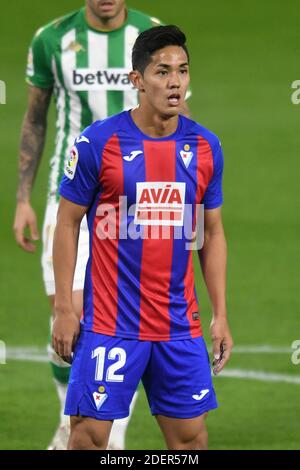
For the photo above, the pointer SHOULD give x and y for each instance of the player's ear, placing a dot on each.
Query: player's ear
(136, 79)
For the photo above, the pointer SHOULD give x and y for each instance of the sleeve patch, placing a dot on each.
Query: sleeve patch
(30, 67)
(71, 165)
(155, 21)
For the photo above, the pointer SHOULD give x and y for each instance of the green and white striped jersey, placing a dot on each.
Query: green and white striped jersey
(88, 70)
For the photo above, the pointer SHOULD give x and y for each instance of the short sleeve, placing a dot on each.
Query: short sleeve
(80, 182)
(213, 196)
(39, 71)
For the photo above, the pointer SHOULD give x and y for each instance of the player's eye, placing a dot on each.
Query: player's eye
(184, 71)
(162, 73)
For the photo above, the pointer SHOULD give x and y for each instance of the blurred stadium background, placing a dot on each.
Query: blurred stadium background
(245, 55)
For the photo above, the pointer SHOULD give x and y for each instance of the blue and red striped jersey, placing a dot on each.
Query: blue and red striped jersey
(142, 194)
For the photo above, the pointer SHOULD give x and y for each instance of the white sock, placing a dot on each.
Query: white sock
(119, 427)
(61, 387)
(62, 393)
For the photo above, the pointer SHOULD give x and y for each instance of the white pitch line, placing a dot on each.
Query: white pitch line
(28, 357)
(262, 349)
(262, 376)
(31, 354)
(34, 354)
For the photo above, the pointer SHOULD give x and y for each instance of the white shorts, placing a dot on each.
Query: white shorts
(47, 264)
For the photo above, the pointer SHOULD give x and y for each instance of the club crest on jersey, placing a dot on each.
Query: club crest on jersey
(74, 46)
(99, 399)
(160, 203)
(71, 165)
(186, 155)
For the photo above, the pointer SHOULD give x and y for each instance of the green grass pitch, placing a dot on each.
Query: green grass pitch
(244, 58)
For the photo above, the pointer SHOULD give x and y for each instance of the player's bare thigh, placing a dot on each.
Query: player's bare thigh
(184, 434)
(88, 433)
(77, 297)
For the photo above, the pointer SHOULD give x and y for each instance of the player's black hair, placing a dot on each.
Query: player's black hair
(152, 40)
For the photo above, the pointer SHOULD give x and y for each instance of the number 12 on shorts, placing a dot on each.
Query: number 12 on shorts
(101, 355)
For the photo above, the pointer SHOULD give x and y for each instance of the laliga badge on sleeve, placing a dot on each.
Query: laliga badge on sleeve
(71, 165)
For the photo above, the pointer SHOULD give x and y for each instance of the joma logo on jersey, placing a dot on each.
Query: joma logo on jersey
(160, 203)
(106, 79)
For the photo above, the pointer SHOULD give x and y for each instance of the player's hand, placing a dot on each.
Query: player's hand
(65, 332)
(25, 217)
(222, 343)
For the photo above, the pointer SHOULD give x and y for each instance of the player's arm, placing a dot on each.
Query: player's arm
(78, 189)
(66, 322)
(213, 257)
(33, 135)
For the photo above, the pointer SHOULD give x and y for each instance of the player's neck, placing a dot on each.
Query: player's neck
(108, 24)
(152, 124)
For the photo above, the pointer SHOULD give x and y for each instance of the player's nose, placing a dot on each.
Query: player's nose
(174, 80)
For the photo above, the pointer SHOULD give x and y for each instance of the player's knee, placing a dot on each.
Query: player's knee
(196, 442)
(195, 438)
(85, 441)
(79, 441)
(83, 437)
(201, 441)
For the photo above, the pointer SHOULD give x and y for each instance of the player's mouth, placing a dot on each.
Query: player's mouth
(174, 99)
(106, 5)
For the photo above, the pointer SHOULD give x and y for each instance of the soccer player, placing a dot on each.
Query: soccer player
(83, 59)
(140, 176)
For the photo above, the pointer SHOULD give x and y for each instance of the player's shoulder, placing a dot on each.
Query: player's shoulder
(100, 132)
(142, 20)
(193, 128)
(58, 26)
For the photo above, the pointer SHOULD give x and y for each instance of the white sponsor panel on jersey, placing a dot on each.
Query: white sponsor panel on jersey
(85, 79)
(160, 203)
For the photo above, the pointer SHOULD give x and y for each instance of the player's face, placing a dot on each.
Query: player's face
(106, 9)
(166, 79)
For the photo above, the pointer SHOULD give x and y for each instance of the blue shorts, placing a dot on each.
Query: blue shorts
(106, 372)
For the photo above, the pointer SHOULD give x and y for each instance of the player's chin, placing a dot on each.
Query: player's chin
(106, 15)
(108, 11)
(171, 111)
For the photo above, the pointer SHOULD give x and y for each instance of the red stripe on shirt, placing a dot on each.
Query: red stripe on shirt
(156, 266)
(205, 167)
(105, 250)
(189, 294)
(204, 174)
